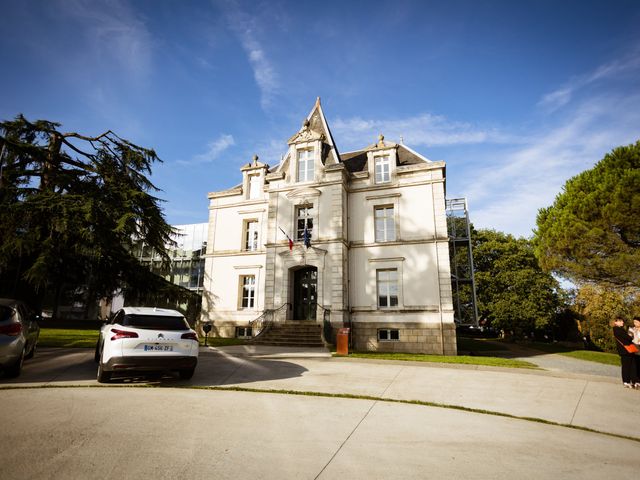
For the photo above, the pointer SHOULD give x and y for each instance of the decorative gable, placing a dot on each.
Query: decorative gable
(306, 134)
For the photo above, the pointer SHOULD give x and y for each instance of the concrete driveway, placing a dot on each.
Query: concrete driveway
(171, 432)
(588, 401)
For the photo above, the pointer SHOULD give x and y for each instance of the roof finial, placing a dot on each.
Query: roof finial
(317, 101)
(255, 160)
(381, 140)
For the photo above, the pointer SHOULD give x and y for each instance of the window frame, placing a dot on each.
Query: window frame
(388, 234)
(250, 288)
(305, 165)
(253, 186)
(384, 161)
(388, 283)
(389, 334)
(247, 244)
(299, 232)
(247, 332)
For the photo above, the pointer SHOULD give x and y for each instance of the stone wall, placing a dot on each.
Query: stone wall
(414, 338)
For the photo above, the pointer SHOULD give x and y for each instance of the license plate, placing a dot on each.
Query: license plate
(158, 348)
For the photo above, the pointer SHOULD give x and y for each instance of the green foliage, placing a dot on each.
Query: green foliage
(513, 292)
(70, 208)
(55, 337)
(592, 231)
(598, 306)
(460, 359)
(579, 353)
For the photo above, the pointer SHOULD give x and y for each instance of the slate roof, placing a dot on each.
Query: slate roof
(357, 161)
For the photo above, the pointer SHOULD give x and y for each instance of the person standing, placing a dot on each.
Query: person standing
(635, 334)
(635, 331)
(627, 360)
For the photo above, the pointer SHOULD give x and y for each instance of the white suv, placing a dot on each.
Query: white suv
(146, 339)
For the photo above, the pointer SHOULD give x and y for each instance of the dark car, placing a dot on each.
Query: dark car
(19, 331)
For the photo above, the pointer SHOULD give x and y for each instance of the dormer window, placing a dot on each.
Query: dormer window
(254, 187)
(382, 168)
(253, 179)
(305, 165)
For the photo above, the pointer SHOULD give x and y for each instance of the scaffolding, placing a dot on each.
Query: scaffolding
(463, 283)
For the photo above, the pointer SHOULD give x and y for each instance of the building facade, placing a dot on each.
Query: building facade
(187, 257)
(357, 239)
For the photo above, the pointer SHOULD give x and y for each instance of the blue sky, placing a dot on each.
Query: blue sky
(515, 96)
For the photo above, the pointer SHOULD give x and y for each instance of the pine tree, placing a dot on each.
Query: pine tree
(592, 231)
(71, 208)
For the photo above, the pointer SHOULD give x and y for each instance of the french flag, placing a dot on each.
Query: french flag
(288, 238)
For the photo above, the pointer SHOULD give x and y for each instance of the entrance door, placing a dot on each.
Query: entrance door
(305, 284)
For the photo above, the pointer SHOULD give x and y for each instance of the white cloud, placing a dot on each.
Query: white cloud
(424, 129)
(114, 31)
(556, 99)
(245, 28)
(508, 191)
(560, 97)
(214, 149)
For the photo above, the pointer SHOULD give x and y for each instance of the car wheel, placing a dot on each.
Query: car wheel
(103, 376)
(14, 370)
(32, 352)
(96, 356)
(186, 374)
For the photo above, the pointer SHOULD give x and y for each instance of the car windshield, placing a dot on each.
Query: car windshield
(155, 322)
(5, 313)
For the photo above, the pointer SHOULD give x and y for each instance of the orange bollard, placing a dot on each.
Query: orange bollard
(342, 338)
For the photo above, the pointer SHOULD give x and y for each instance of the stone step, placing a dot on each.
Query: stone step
(293, 334)
(288, 344)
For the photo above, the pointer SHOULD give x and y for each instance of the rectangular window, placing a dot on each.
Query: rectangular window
(244, 332)
(254, 187)
(251, 235)
(248, 285)
(383, 168)
(387, 281)
(388, 335)
(305, 165)
(385, 224)
(304, 217)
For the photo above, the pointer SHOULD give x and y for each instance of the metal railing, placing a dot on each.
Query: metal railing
(264, 322)
(327, 331)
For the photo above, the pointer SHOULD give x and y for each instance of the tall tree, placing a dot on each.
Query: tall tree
(592, 231)
(598, 305)
(70, 207)
(513, 292)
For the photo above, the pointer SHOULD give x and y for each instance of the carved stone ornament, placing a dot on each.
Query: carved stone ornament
(304, 192)
(306, 135)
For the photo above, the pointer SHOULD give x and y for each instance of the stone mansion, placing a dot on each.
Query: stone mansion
(355, 239)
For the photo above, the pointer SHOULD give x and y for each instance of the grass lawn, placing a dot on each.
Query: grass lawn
(460, 359)
(589, 355)
(58, 337)
(222, 342)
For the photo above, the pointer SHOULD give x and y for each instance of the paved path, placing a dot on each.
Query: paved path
(560, 363)
(170, 433)
(589, 401)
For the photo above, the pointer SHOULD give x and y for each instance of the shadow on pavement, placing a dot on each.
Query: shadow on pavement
(64, 365)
